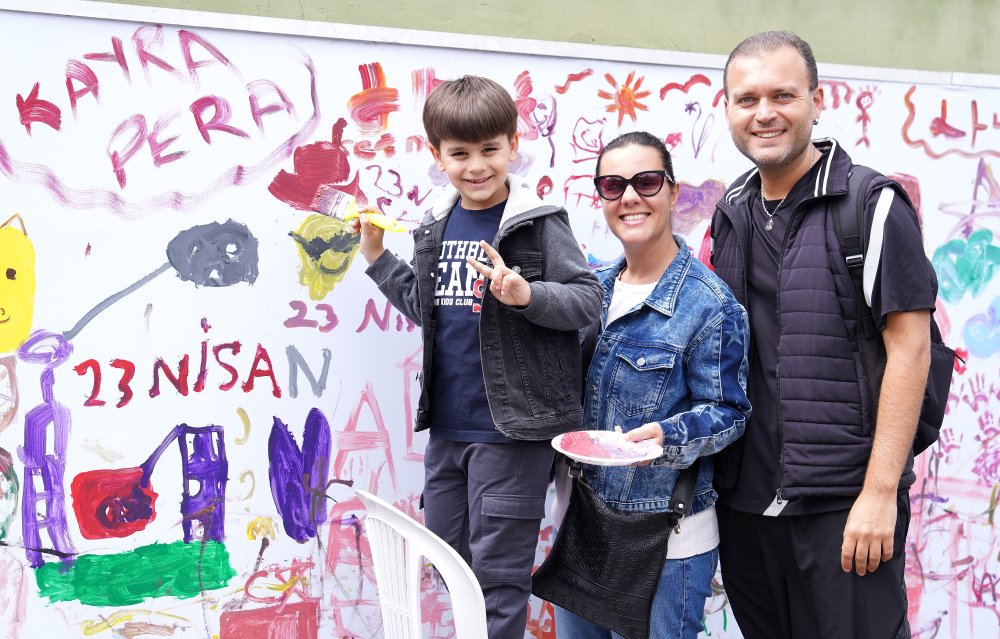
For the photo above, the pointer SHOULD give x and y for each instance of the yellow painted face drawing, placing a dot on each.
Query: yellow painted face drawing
(17, 284)
(326, 247)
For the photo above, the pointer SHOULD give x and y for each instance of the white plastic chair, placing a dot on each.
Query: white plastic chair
(398, 544)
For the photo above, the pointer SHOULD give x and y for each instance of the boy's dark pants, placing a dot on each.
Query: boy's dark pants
(488, 500)
(783, 578)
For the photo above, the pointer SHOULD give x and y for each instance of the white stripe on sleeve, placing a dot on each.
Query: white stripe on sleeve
(873, 254)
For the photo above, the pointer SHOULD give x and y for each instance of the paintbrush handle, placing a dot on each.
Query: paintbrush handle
(379, 220)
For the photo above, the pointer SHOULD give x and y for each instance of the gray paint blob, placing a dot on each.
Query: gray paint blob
(215, 254)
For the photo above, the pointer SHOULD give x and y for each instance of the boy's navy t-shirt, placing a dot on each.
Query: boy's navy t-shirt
(459, 408)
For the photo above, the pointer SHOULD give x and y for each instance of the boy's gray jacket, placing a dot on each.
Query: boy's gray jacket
(531, 355)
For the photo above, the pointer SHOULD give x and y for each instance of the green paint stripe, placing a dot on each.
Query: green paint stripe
(160, 570)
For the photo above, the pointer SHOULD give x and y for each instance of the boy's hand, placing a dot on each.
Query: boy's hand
(506, 285)
(371, 237)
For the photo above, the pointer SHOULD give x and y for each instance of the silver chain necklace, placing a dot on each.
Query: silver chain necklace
(770, 214)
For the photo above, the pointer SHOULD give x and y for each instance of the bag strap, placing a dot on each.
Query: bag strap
(683, 494)
(851, 235)
(680, 498)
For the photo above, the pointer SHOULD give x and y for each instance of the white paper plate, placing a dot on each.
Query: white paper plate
(605, 448)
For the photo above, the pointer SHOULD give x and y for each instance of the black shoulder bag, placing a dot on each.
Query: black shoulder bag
(605, 564)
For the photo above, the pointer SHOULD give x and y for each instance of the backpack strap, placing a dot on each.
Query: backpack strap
(853, 244)
(851, 235)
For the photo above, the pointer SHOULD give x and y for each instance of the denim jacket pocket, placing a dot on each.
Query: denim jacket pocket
(640, 378)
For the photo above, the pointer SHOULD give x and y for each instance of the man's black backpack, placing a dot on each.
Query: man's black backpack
(850, 224)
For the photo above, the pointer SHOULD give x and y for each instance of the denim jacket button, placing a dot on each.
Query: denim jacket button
(427, 231)
(516, 269)
(605, 349)
(641, 361)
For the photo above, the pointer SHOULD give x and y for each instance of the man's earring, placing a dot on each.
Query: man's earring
(815, 122)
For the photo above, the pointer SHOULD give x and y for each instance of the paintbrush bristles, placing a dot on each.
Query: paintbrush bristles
(332, 202)
(339, 205)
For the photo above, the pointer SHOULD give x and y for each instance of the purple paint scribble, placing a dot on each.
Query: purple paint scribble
(987, 464)
(205, 467)
(696, 203)
(45, 510)
(700, 130)
(299, 477)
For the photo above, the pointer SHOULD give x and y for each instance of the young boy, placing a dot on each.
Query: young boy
(501, 362)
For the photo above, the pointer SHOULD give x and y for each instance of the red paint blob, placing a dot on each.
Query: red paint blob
(112, 502)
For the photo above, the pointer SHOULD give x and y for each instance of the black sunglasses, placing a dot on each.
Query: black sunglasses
(645, 183)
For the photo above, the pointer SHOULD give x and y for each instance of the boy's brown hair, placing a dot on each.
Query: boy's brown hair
(470, 109)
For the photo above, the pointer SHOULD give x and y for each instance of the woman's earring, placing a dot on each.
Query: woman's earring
(815, 122)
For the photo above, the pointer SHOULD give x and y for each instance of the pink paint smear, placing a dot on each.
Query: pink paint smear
(603, 445)
(132, 209)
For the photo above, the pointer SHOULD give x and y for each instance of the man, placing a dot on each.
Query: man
(814, 504)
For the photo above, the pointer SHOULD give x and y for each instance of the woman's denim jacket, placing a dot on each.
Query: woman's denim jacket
(531, 355)
(680, 359)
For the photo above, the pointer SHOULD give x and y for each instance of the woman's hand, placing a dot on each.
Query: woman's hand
(652, 431)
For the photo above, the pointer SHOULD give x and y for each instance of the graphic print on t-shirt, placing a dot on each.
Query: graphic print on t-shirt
(458, 283)
(460, 409)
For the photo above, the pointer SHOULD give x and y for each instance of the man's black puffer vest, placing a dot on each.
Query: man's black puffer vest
(825, 423)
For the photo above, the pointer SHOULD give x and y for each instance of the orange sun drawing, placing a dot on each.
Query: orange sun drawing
(626, 98)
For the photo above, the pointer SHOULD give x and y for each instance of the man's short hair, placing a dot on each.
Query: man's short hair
(470, 109)
(761, 44)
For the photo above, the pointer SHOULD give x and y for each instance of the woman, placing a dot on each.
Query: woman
(669, 365)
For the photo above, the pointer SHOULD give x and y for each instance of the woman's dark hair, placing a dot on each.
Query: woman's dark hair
(640, 138)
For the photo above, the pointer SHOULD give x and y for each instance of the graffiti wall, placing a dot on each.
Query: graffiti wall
(195, 373)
